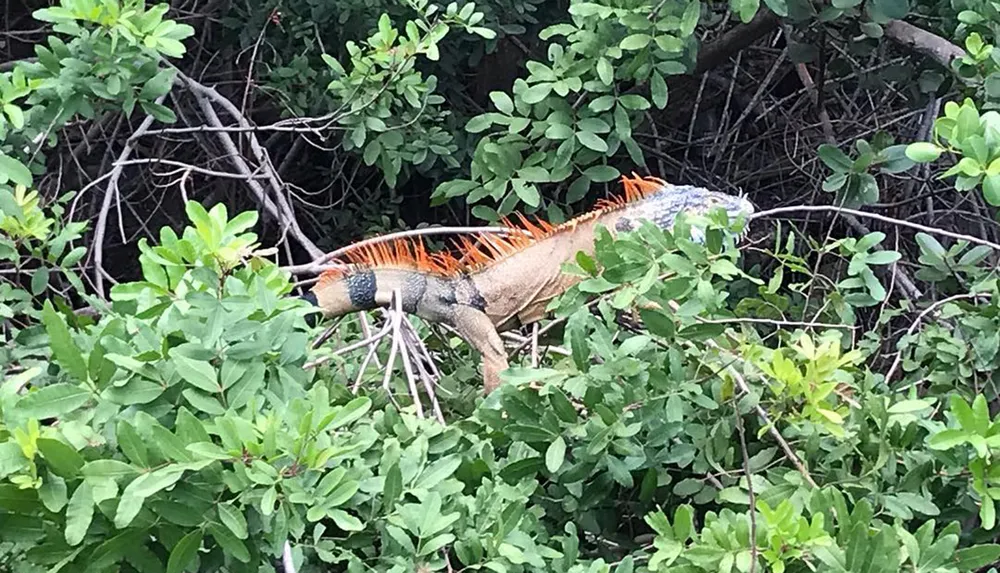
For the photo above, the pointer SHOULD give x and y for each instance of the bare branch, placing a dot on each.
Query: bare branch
(279, 207)
(111, 191)
(923, 42)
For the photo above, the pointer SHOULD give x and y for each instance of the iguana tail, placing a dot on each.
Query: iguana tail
(374, 272)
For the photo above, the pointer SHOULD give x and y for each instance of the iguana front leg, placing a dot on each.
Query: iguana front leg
(477, 329)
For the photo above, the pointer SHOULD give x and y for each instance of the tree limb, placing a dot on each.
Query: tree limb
(279, 207)
(923, 42)
(714, 54)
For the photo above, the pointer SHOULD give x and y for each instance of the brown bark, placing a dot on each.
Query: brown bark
(714, 54)
(923, 42)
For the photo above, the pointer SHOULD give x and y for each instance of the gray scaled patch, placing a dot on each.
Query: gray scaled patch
(414, 288)
(361, 287)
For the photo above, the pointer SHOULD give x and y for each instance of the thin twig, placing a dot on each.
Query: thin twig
(109, 193)
(750, 492)
(909, 331)
(877, 217)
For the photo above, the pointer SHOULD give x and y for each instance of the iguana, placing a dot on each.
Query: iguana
(501, 282)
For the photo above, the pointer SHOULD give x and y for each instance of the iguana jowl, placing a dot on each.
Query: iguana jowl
(501, 282)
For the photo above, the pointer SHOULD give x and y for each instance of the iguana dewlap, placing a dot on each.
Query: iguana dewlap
(501, 282)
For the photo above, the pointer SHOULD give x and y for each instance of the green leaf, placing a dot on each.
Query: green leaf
(601, 173)
(536, 93)
(39, 280)
(991, 189)
(947, 439)
(52, 493)
(562, 407)
(393, 487)
(988, 513)
(930, 247)
(345, 521)
(53, 401)
(184, 552)
(981, 415)
(435, 543)
(158, 85)
(603, 103)
(534, 174)
(908, 406)
(555, 454)
(11, 459)
(578, 189)
(15, 114)
(342, 493)
(131, 444)
(209, 450)
(779, 7)
(140, 489)
(170, 47)
(203, 402)
(658, 90)
(160, 113)
(516, 471)
(502, 102)
(479, 123)
(13, 170)
(883, 257)
(108, 469)
(606, 73)
(635, 42)
(834, 158)
(79, 514)
(964, 413)
(64, 349)
(198, 373)
(592, 141)
(526, 192)
(233, 518)
(891, 9)
(350, 412)
(919, 503)
(559, 131)
(439, 471)
(634, 102)
(658, 323)
(976, 557)
(688, 487)
(923, 152)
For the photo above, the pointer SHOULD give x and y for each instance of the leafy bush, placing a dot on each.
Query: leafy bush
(177, 428)
(181, 432)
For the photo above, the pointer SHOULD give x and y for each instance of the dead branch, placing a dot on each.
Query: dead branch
(923, 42)
(110, 192)
(277, 205)
(715, 54)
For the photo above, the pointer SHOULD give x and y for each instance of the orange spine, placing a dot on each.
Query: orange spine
(484, 249)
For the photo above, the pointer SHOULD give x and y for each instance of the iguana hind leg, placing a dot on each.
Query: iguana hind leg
(478, 330)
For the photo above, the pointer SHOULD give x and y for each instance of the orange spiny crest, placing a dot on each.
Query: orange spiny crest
(404, 253)
(484, 248)
(636, 188)
(641, 187)
(487, 248)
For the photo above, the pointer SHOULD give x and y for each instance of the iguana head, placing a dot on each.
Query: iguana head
(661, 206)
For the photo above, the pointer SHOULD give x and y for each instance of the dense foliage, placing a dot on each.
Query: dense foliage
(768, 413)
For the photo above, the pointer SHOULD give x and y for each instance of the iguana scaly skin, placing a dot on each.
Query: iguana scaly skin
(501, 282)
